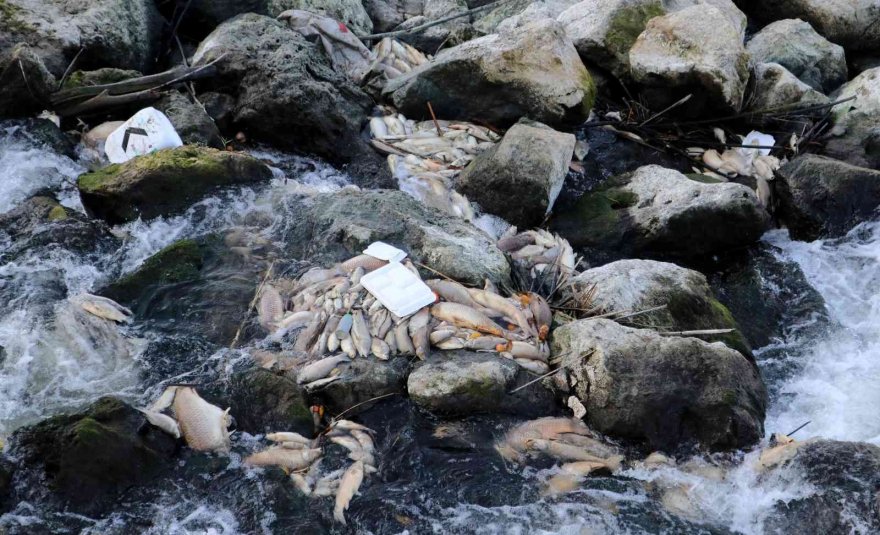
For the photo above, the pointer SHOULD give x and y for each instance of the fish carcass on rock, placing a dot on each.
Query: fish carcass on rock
(204, 426)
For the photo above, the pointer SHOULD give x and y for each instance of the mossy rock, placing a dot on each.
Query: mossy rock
(177, 263)
(10, 19)
(107, 75)
(164, 182)
(599, 210)
(263, 401)
(627, 24)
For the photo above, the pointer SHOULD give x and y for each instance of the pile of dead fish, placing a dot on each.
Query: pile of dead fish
(395, 58)
(301, 457)
(541, 253)
(425, 157)
(564, 439)
(203, 426)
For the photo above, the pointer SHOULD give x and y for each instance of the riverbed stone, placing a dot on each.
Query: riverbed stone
(262, 402)
(164, 182)
(448, 34)
(795, 45)
(856, 134)
(659, 212)
(776, 87)
(695, 51)
(820, 197)
(667, 391)
(519, 178)
(190, 120)
(337, 226)
(532, 71)
(25, 83)
(362, 380)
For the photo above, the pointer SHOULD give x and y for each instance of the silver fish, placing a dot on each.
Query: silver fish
(271, 307)
(284, 458)
(102, 307)
(202, 425)
(360, 334)
(320, 368)
(162, 421)
(288, 436)
(348, 487)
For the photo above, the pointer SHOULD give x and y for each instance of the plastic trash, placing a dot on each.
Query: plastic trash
(146, 131)
(398, 289)
(383, 251)
(757, 139)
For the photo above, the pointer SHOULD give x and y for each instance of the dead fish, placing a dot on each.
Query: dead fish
(542, 314)
(418, 332)
(314, 385)
(534, 366)
(307, 336)
(202, 425)
(288, 436)
(295, 320)
(366, 457)
(164, 401)
(301, 483)
(380, 349)
(452, 291)
(573, 473)
(465, 316)
(404, 342)
(391, 342)
(346, 441)
(546, 428)
(369, 263)
(504, 306)
(484, 342)
(525, 350)
(283, 457)
(441, 335)
(561, 450)
(320, 368)
(590, 445)
(365, 440)
(328, 484)
(349, 425)
(509, 244)
(348, 487)
(103, 307)
(271, 307)
(347, 346)
(360, 334)
(162, 421)
(451, 344)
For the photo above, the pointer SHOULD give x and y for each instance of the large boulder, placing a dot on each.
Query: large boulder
(110, 33)
(349, 12)
(363, 380)
(532, 71)
(795, 45)
(667, 391)
(520, 177)
(487, 22)
(856, 134)
(643, 284)
(91, 458)
(546, 9)
(164, 182)
(25, 83)
(603, 31)
(190, 119)
(660, 212)
(263, 402)
(824, 197)
(730, 10)
(286, 90)
(447, 34)
(775, 87)
(843, 478)
(337, 226)
(695, 51)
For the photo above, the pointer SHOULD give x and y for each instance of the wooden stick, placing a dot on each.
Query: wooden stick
(69, 68)
(652, 309)
(423, 27)
(434, 118)
(696, 333)
(253, 303)
(666, 109)
(548, 374)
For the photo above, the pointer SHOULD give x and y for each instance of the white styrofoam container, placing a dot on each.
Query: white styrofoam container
(398, 289)
(383, 251)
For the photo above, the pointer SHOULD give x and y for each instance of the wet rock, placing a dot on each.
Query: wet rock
(177, 263)
(845, 477)
(693, 51)
(776, 87)
(856, 134)
(190, 119)
(337, 226)
(385, 14)
(106, 75)
(823, 197)
(455, 383)
(287, 92)
(210, 13)
(362, 380)
(25, 83)
(220, 107)
(642, 284)
(795, 45)
(349, 12)
(532, 71)
(519, 178)
(447, 34)
(546, 9)
(660, 212)
(90, 458)
(846, 23)
(665, 390)
(35, 131)
(110, 33)
(262, 401)
(604, 31)
(164, 182)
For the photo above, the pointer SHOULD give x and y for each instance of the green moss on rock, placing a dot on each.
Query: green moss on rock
(107, 75)
(627, 24)
(179, 262)
(57, 213)
(10, 21)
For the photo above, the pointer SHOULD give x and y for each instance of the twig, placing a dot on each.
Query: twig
(434, 118)
(696, 333)
(253, 303)
(637, 313)
(422, 27)
(666, 109)
(336, 418)
(70, 68)
(788, 108)
(803, 425)
(548, 374)
(432, 270)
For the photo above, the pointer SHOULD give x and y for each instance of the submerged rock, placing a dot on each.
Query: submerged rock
(775, 87)
(263, 401)
(337, 226)
(821, 197)
(532, 71)
(695, 51)
(25, 83)
(856, 134)
(91, 458)
(660, 212)
(164, 182)
(520, 177)
(637, 285)
(795, 45)
(192, 122)
(667, 391)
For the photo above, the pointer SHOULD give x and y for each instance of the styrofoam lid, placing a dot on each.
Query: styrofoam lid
(383, 251)
(398, 289)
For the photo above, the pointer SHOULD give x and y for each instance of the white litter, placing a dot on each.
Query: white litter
(146, 131)
(398, 289)
(756, 139)
(383, 251)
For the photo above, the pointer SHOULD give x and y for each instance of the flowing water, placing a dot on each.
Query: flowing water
(52, 361)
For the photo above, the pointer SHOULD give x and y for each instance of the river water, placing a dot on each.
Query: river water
(832, 381)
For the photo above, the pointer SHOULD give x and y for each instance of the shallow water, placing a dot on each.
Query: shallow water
(52, 363)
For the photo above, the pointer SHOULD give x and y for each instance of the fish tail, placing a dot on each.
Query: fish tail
(339, 515)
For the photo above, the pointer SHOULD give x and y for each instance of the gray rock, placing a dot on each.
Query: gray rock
(776, 87)
(385, 14)
(25, 83)
(364, 379)
(220, 107)
(844, 477)
(286, 91)
(659, 212)
(604, 31)
(856, 133)
(694, 51)
(111, 33)
(821, 197)
(541, 9)
(487, 23)
(263, 402)
(520, 177)
(213, 12)
(190, 119)
(795, 45)
(532, 71)
(337, 226)
(642, 284)
(349, 12)
(448, 34)
(667, 391)
(736, 17)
